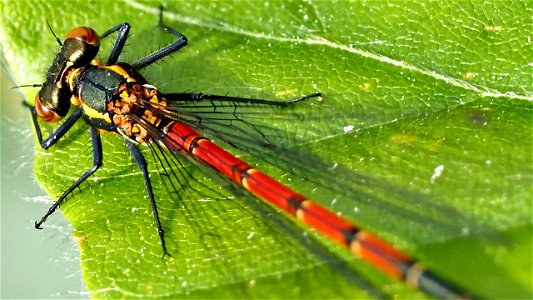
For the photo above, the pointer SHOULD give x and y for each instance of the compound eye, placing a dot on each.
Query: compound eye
(84, 34)
(44, 112)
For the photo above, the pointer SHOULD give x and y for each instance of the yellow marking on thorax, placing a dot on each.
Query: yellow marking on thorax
(93, 113)
(74, 100)
(89, 111)
(119, 70)
(68, 64)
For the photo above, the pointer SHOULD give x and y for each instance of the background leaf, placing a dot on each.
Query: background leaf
(426, 114)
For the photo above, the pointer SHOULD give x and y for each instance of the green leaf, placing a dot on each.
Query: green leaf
(425, 123)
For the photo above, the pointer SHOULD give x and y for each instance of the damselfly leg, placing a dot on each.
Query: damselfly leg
(97, 163)
(57, 88)
(115, 98)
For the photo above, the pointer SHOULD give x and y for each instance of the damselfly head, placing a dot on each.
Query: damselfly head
(79, 48)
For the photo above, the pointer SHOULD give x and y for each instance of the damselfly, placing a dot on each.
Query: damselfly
(114, 97)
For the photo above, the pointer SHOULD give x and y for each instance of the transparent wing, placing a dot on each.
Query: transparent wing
(278, 136)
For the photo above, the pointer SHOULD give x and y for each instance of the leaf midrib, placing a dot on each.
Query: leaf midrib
(481, 91)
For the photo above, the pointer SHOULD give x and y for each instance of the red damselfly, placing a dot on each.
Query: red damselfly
(114, 97)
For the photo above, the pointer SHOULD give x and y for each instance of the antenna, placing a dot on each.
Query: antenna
(51, 30)
(27, 85)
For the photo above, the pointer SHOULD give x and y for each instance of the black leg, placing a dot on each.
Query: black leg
(139, 158)
(161, 53)
(97, 163)
(58, 132)
(203, 97)
(123, 30)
